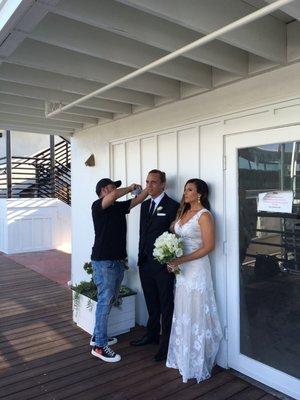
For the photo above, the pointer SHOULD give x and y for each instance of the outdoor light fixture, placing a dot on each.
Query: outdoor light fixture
(90, 162)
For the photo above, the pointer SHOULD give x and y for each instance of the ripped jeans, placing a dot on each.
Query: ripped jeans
(108, 276)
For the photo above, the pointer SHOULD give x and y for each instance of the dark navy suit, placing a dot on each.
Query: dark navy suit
(157, 282)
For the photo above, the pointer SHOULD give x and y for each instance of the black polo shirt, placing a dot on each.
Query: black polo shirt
(110, 230)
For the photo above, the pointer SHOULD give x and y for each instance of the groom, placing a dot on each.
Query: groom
(157, 214)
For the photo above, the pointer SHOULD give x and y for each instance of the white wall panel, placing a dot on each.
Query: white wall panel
(148, 156)
(119, 163)
(133, 162)
(176, 153)
(133, 170)
(188, 156)
(49, 231)
(167, 160)
(287, 110)
(211, 166)
(134, 175)
(34, 225)
(251, 121)
(26, 233)
(3, 225)
(61, 232)
(38, 232)
(2, 233)
(141, 157)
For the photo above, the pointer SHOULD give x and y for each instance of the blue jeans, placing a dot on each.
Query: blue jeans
(108, 276)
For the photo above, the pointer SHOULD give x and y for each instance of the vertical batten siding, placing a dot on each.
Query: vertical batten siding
(176, 153)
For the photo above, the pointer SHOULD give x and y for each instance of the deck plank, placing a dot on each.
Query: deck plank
(250, 393)
(44, 356)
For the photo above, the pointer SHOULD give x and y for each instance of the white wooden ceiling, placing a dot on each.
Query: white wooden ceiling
(59, 50)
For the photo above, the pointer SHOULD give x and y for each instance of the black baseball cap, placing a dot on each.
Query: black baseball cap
(104, 182)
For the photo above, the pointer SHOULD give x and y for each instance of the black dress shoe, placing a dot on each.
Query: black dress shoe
(160, 356)
(143, 341)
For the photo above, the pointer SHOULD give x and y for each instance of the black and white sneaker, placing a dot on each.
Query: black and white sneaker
(111, 341)
(106, 354)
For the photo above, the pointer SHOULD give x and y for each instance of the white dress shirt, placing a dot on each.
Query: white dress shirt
(156, 200)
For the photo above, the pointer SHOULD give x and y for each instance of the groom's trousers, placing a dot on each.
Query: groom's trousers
(158, 288)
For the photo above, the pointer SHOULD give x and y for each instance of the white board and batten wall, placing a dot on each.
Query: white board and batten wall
(178, 152)
(34, 224)
(186, 139)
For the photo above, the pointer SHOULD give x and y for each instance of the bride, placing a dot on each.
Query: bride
(196, 331)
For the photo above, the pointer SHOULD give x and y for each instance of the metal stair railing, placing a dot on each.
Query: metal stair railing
(37, 176)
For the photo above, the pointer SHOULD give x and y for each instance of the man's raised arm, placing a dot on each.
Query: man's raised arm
(139, 198)
(115, 194)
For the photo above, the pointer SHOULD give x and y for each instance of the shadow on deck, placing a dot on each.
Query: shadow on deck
(43, 355)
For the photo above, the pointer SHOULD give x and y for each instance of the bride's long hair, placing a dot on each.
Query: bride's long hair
(202, 189)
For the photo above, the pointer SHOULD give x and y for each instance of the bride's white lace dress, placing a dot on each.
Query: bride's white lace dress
(196, 330)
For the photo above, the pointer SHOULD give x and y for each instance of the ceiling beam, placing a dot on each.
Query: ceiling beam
(31, 112)
(55, 59)
(265, 37)
(11, 43)
(89, 112)
(292, 9)
(27, 16)
(32, 128)
(109, 46)
(39, 122)
(11, 12)
(154, 31)
(24, 101)
(52, 95)
(31, 76)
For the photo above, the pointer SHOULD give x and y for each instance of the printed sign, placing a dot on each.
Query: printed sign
(281, 201)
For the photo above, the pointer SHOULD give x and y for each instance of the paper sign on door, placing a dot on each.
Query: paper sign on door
(281, 201)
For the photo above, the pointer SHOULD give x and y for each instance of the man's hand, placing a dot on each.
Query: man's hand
(135, 186)
(139, 198)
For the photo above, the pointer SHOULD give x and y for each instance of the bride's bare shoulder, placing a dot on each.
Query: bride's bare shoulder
(205, 217)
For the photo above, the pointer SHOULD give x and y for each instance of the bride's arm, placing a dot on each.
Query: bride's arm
(208, 241)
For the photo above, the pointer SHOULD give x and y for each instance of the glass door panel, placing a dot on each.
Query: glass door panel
(269, 254)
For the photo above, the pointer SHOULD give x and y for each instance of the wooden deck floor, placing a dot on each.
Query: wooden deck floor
(43, 355)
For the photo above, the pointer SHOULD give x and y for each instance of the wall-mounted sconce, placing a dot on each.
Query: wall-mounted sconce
(90, 162)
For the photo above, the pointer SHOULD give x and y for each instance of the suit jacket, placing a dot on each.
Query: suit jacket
(154, 226)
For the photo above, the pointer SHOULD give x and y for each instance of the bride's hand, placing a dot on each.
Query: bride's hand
(169, 268)
(173, 264)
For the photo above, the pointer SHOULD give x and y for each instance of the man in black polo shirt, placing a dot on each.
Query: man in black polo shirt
(108, 253)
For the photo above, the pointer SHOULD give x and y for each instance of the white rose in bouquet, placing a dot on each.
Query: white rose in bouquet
(167, 247)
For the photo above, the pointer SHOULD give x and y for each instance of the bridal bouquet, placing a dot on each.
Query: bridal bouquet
(167, 247)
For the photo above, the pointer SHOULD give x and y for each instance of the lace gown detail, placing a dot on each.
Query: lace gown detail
(196, 330)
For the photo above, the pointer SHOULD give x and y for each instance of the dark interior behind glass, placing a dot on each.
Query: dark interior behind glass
(269, 245)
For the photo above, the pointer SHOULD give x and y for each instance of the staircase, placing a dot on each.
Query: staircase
(46, 174)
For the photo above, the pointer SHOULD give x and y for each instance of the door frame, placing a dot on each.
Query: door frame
(250, 367)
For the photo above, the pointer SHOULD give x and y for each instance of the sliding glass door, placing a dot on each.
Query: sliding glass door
(263, 231)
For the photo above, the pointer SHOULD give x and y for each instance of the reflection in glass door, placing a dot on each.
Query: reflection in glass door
(269, 254)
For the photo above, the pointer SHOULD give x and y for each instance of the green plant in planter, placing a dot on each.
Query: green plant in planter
(89, 289)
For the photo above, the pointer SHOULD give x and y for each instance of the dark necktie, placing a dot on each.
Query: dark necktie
(151, 209)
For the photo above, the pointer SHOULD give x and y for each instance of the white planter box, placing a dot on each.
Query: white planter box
(120, 320)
